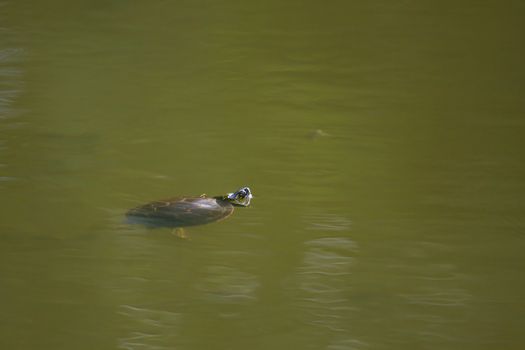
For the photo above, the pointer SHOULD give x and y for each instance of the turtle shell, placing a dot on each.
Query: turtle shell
(181, 211)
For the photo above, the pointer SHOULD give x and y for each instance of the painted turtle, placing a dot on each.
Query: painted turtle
(180, 212)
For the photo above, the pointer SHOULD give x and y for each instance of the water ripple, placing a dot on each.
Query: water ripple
(152, 328)
(451, 297)
(327, 222)
(228, 285)
(323, 288)
(11, 81)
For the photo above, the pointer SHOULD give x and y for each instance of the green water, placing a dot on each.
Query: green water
(383, 142)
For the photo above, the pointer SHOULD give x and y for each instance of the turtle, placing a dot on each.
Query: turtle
(179, 212)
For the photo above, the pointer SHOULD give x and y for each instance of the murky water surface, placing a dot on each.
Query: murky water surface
(383, 142)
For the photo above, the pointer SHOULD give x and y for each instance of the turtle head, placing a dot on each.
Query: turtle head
(241, 198)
